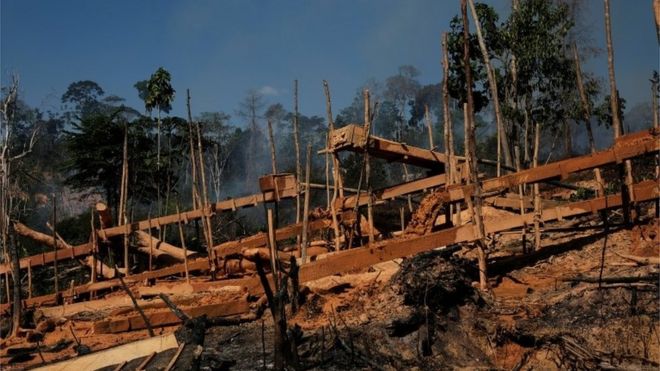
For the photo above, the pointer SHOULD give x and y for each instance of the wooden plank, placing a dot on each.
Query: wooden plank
(108, 357)
(626, 147)
(167, 318)
(49, 257)
(225, 205)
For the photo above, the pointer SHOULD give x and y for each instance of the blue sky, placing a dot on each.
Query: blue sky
(221, 49)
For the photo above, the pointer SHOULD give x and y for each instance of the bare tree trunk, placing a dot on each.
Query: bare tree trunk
(471, 152)
(56, 282)
(448, 126)
(296, 143)
(568, 139)
(586, 111)
(305, 232)
(206, 219)
(616, 115)
(502, 140)
(193, 161)
(367, 164)
(337, 183)
(656, 118)
(537, 196)
(273, 160)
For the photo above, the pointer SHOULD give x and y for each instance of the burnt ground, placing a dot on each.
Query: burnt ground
(428, 316)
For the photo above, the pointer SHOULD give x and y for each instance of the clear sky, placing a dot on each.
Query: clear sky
(221, 49)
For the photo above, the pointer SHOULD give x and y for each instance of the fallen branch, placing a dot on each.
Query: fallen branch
(642, 260)
(623, 279)
(135, 304)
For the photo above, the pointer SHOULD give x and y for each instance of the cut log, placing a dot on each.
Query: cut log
(162, 248)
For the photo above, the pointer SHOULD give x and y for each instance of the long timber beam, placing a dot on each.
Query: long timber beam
(352, 138)
(225, 205)
(625, 148)
(359, 258)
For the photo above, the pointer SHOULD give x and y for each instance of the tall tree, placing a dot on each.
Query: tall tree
(160, 96)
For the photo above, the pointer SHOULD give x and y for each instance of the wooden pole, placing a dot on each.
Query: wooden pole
(296, 143)
(272, 246)
(193, 161)
(29, 272)
(151, 243)
(273, 160)
(337, 184)
(537, 193)
(656, 118)
(206, 219)
(367, 164)
(616, 114)
(448, 125)
(94, 241)
(471, 150)
(183, 245)
(327, 173)
(305, 232)
(586, 111)
(57, 287)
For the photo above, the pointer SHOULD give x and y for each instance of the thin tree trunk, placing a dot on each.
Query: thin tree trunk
(183, 244)
(337, 183)
(471, 151)
(296, 143)
(193, 161)
(586, 111)
(656, 118)
(367, 164)
(537, 196)
(206, 219)
(502, 140)
(448, 126)
(616, 115)
(57, 286)
(273, 160)
(305, 232)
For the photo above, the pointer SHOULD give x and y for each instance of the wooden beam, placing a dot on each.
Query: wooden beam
(352, 138)
(226, 205)
(167, 318)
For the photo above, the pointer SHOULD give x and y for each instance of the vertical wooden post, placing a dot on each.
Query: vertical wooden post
(471, 155)
(403, 220)
(296, 143)
(450, 170)
(29, 272)
(616, 114)
(151, 244)
(367, 164)
(337, 190)
(193, 161)
(94, 249)
(272, 245)
(305, 232)
(656, 118)
(183, 243)
(57, 287)
(537, 195)
(327, 173)
(206, 219)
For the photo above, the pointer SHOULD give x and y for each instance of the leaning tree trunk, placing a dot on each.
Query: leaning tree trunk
(502, 140)
(586, 111)
(616, 116)
(537, 195)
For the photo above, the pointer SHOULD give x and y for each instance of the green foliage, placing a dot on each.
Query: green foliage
(160, 93)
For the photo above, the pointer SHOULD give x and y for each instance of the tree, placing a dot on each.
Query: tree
(160, 95)
(83, 97)
(250, 110)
